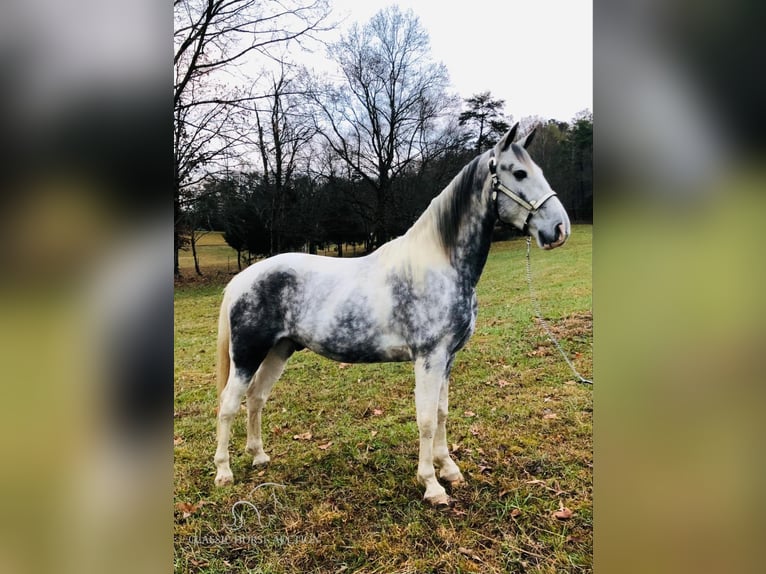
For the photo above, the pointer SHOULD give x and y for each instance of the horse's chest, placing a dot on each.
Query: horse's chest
(439, 314)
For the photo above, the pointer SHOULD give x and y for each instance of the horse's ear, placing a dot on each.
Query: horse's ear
(507, 140)
(529, 138)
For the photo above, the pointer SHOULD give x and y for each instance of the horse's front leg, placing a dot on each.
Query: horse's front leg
(430, 373)
(448, 470)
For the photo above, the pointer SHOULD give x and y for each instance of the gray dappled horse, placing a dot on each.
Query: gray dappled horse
(414, 299)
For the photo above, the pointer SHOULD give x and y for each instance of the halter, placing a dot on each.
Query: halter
(530, 206)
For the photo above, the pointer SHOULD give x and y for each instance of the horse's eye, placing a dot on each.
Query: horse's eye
(519, 174)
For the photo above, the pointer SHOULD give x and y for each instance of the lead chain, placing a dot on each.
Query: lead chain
(543, 322)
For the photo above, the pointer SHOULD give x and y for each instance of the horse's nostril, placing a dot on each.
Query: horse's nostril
(553, 237)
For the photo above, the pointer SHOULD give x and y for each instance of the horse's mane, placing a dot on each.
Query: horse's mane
(438, 228)
(454, 201)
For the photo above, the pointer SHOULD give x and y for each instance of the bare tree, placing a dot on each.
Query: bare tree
(283, 130)
(380, 118)
(213, 39)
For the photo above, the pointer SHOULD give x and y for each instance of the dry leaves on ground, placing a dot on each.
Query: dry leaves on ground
(188, 508)
(563, 513)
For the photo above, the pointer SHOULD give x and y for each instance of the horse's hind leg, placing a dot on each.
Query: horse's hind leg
(231, 399)
(258, 392)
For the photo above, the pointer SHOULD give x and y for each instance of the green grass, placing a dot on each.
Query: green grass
(355, 506)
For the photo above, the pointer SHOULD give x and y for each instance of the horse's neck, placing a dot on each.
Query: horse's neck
(474, 240)
(458, 223)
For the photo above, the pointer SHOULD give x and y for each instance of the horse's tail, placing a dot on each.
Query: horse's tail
(223, 361)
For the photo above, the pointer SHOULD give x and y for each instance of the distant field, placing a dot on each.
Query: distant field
(216, 257)
(519, 428)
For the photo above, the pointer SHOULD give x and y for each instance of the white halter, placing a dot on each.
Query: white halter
(530, 206)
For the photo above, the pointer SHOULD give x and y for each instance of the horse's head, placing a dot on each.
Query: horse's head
(522, 195)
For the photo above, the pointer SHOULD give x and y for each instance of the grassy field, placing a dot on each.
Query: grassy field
(218, 259)
(343, 442)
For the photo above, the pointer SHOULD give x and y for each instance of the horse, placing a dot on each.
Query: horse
(413, 299)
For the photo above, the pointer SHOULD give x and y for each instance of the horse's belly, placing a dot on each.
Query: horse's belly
(362, 351)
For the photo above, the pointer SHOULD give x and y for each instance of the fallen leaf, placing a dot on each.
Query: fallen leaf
(541, 351)
(485, 469)
(503, 383)
(377, 412)
(569, 383)
(470, 553)
(515, 513)
(303, 436)
(550, 416)
(261, 473)
(563, 513)
(373, 433)
(469, 413)
(177, 440)
(325, 446)
(344, 365)
(187, 508)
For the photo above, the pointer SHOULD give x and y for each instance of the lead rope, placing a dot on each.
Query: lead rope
(543, 322)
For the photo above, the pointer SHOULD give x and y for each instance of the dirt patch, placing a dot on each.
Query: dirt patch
(574, 326)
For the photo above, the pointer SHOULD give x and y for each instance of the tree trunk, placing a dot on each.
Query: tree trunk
(193, 236)
(381, 211)
(176, 235)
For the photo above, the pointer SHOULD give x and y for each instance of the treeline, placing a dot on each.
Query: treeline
(308, 213)
(296, 160)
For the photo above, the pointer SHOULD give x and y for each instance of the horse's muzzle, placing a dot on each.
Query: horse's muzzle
(559, 238)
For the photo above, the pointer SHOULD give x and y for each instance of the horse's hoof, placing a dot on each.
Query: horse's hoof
(261, 459)
(442, 502)
(224, 478)
(455, 485)
(454, 480)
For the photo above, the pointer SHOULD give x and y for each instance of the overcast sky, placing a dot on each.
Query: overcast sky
(535, 54)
